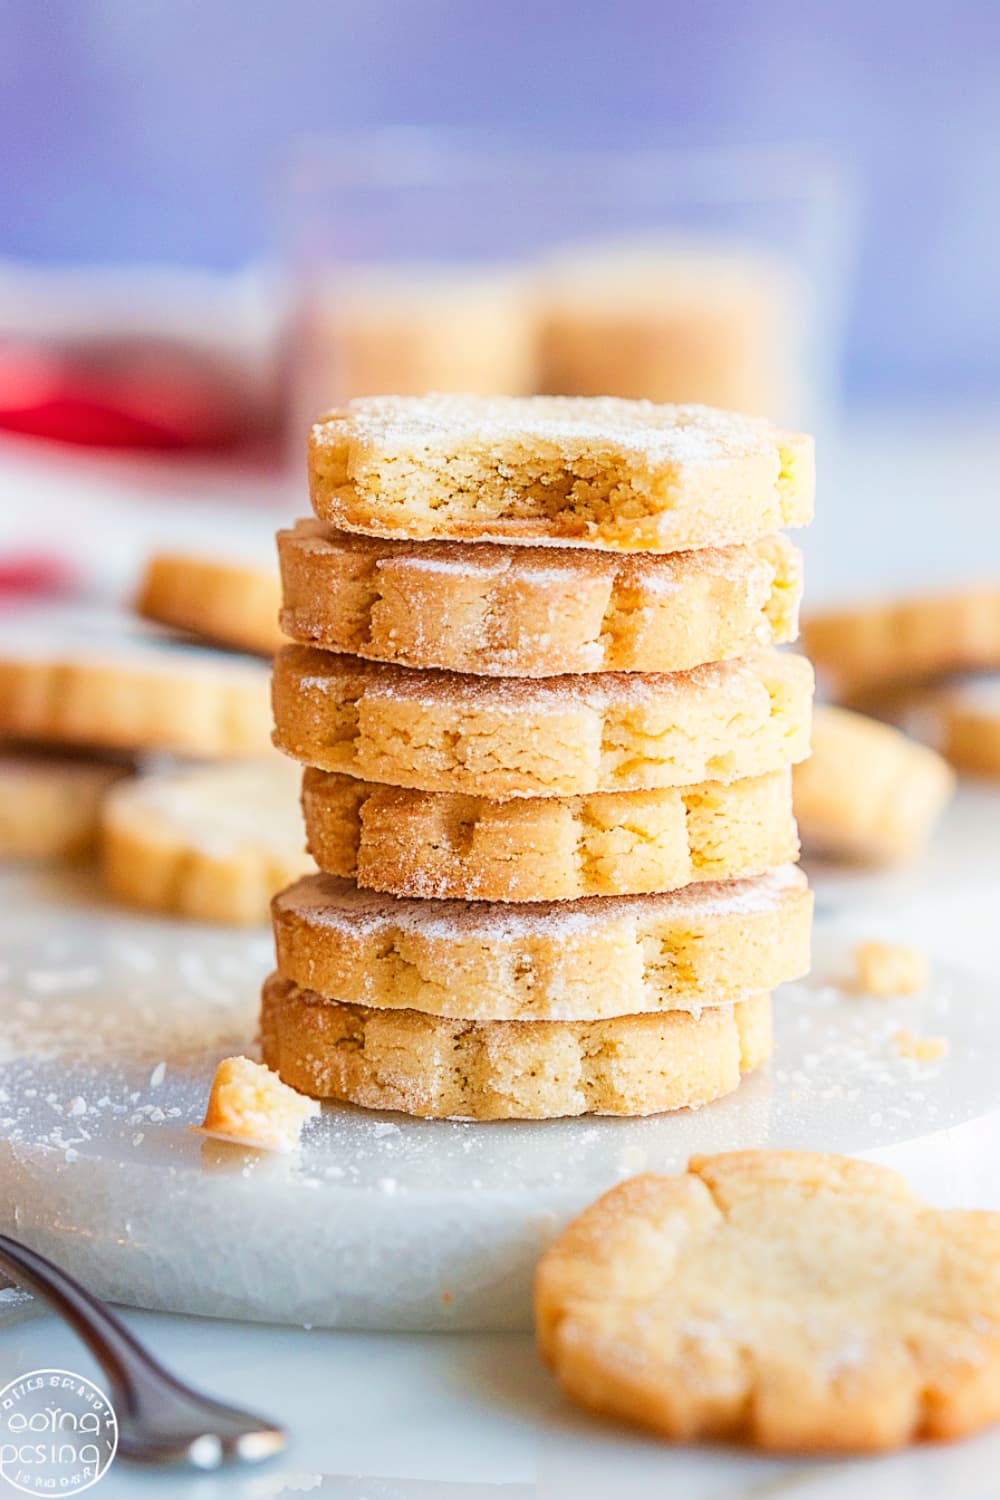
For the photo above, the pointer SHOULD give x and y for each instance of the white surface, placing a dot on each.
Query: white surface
(114, 1024)
(450, 1417)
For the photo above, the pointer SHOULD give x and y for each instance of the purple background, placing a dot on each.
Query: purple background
(156, 129)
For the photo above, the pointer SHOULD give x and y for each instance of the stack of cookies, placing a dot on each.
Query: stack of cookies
(548, 746)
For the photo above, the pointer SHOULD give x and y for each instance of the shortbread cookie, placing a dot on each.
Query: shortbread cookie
(560, 961)
(50, 804)
(625, 475)
(251, 1106)
(796, 1301)
(868, 791)
(231, 603)
(214, 844)
(555, 736)
(671, 320)
(910, 640)
(534, 612)
(509, 1070)
(91, 677)
(411, 328)
(413, 843)
(968, 725)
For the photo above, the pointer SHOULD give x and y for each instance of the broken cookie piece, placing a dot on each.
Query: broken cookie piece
(249, 1105)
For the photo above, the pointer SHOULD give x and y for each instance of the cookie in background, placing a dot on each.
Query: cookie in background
(225, 602)
(868, 792)
(868, 651)
(50, 804)
(796, 1301)
(212, 843)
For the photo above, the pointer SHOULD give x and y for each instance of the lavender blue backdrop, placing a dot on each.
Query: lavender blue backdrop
(155, 129)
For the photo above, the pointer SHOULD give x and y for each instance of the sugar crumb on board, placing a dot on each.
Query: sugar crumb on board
(920, 1048)
(890, 968)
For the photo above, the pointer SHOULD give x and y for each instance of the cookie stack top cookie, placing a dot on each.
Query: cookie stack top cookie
(629, 476)
(534, 669)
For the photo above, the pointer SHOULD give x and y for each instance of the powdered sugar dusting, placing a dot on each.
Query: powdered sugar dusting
(220, 811)
(345, 676)
(327, 901)
(536, 563)
(656, 434)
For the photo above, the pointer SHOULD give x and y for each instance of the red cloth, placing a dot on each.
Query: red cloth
(134, 394)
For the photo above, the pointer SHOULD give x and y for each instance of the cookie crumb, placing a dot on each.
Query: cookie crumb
(249, 1105)
(920, 1048)
(890, 969)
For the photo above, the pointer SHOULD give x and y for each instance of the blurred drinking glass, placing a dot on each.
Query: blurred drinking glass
(428, 261)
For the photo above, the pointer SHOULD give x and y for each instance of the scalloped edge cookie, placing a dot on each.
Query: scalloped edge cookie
(556, 736)
(88, 677)
(503, 611)
(569, 960)
(445, 844)
(792, 1300)
(438, 1068)
(576, 471)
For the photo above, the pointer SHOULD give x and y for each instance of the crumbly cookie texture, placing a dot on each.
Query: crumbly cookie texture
(908, 640)
(509, 1070)
(50, 805)
(550, 737)
(412, 843)
(505, 611)
(566, 961)
(790, 1300)
(867, 792)
(83, 678)
(230, 603)
(251, 1106)
(629, 476)
(890, 968)
(214, 844)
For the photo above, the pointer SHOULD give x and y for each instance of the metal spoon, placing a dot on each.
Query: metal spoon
(160, 1421)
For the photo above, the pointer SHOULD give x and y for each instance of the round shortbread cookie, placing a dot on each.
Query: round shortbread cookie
(50, 805)
(555, 736)
(868, 791)
(560, 961)
(231, 603)
(214, 844)
(91, 677)
(628, 476)
(967, 718)
(412, 843)
(505, 611)
(509, 1070)
(910, 640)
(796, 1301)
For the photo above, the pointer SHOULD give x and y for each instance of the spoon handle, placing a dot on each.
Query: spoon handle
(160, 1420)
(117, 1352)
